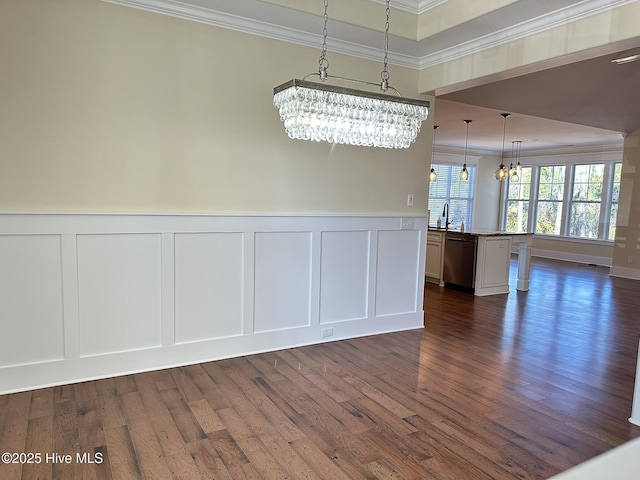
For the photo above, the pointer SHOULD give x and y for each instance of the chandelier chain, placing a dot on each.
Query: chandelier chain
(385, 69)
(323, 63)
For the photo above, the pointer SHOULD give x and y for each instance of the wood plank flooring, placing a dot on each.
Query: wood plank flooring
(523, 385)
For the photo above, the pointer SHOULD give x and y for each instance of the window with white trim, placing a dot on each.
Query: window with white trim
(613, 203)
(586, 200)
(518, 201)
(448, 188)
(550, 200)
(572, 199)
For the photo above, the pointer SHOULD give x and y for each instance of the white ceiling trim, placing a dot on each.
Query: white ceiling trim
(561, 17)
(455, 156)
(256, 27)
(413, 6)
(213, 17)
(589, 153)
(424, 5)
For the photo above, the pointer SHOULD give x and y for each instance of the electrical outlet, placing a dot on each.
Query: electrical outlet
(630, 259)
(410, 200)
(407, 224)
(327, 332)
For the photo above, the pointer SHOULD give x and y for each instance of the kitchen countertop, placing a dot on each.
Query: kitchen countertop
(479, 233)
(493, 257)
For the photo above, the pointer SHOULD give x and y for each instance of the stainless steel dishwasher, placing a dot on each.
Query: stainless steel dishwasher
(460, 259)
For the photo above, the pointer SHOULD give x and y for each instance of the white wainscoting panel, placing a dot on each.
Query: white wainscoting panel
(86, 296)
(282, 280)
(344, 287)
(397, 271)
(30, 299)
(119, 287)
(208, 285)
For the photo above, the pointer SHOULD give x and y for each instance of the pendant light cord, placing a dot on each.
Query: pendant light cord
(466, 142)
(504, 132)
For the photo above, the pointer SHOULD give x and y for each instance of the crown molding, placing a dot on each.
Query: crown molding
(586, 153)
(540, 24)
(413, 6)
(186, 11)
(251, 26)
(589, 153)
(453, 151)
(424, 5)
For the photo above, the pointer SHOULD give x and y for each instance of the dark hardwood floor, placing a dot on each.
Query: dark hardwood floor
(523, 385)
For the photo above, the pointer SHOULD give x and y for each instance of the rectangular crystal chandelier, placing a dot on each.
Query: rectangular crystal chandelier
(322, 112)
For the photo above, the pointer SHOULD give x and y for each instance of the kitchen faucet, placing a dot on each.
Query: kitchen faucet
(445, 213)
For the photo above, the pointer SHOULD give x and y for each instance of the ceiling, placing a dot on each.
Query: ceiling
(580, 104)
(576, 102)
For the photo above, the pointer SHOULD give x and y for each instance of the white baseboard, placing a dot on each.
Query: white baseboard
(571, 257)
(631, 273)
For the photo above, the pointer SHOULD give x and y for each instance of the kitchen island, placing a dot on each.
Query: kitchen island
(477, 261)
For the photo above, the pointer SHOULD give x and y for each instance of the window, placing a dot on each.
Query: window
(518, 199)
(550, 199)
(586, 199)
(578, 200)
(450, 189)
(615, 195)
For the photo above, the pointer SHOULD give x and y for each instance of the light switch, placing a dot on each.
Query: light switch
(410, 200)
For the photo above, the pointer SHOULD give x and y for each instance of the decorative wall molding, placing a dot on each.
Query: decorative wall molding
(87, 296)
(405, 53)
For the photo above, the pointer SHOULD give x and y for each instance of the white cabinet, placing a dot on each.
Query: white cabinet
(435, 249)
(492, 265)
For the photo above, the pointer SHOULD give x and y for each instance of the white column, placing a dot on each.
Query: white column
(524, 263)
(635, 409)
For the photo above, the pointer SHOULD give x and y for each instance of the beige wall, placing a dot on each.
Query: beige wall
(112, 109)
(626, 251)
(108, 108)
(487, 195)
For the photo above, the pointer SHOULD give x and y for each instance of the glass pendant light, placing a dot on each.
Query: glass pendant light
(433, 176)
(464, 173)
(502, 173)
